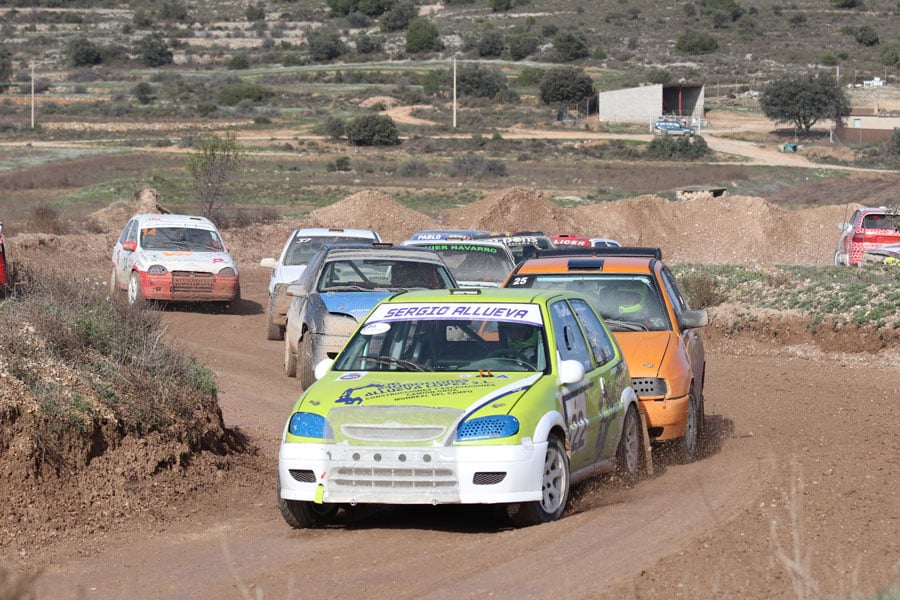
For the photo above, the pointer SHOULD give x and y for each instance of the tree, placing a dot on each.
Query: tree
(565, 85)
(153, 50)
(83, 52)
(211, 168)
(372, 130)
(480, 82)
(866, 36)
(325, 45)
(399, 17)
(6, 67)
(804, 99)
(422, 36)
(570, 46)
(491, 44)
(696, 42)
(255, 12)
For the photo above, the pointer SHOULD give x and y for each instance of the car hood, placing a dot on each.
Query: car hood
(410, 408)
(355, 304)
(188, 261)
(644, 351)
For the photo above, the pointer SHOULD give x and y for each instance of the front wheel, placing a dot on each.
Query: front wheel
(113, 283)
(274, 331)
(290, 359)
(630, 451)
(305, 515)
(687, 445)
(555, 488)
(307, 358)
(135, 295)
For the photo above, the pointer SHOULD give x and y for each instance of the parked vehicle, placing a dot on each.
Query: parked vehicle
(867, 229)
(640, 300)
(431, 235)
(297, 251)
(673, 126)
(437, 400)
(474, 263)
(605, 243)
(173, 258)
(567, 239)
(883, 255)
(341, 284)
(524, 244)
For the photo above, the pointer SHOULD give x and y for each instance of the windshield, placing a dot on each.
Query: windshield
(355, 274)
(302, 248)
(186, 239)
(474, 264)
(628, 302)
(446, 337)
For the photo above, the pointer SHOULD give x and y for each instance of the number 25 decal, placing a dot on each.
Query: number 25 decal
(519, 281)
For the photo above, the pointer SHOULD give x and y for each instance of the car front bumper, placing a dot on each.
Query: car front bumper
(669, 415)
(189, 287)
(340, 473)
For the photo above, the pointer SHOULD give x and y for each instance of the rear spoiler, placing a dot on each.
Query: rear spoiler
(642, 251)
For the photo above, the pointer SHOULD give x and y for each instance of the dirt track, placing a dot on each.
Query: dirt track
(692, 531)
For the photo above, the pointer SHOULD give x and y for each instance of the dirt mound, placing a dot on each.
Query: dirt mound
(512, 209)
(113, 218)
(372, 210)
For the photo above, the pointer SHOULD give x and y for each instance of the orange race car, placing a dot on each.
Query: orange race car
(639, 299)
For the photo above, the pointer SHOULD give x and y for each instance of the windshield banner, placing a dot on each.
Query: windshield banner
(465, 311)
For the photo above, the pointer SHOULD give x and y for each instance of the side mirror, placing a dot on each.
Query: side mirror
(694, 318)
(843, 226)
(129, 246)
(295, 290)
(268, 263)
(570, 371)
(322, 368)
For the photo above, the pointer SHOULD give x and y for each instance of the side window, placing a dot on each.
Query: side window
(128, 227)
(674, 293)
(131, 232)
(601, 344)
(569, 340)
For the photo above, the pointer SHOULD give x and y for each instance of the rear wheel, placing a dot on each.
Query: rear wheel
(135, 295)
(630, 452)
(305, 515)
(307, 368)
(555, 488)
(290, 359)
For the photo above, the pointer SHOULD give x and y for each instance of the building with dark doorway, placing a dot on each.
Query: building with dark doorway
(648, 103)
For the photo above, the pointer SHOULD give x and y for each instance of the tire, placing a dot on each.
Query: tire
(630, 451)
(554, 485)
(135, 295)
(305, 515)
(837, 259)
(113, 283)
(290, 359)
(307, 359)
(687, 444)
(273, 330)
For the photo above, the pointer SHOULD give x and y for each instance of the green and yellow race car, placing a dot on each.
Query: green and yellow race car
(463, 396)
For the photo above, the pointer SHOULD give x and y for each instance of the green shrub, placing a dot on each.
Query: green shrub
(422, 36)
(153, 51)
(490, 44)
(669, 147)
(570, 47)
(565, 85)
(437, 81)
(368, 44)
(83, 52)
(238, 62)
(480, 82)
(143, 92)
(325, 45)
(696, 42)
(399, 17)
(255, 12)
(702, 289)
(522, 46)
(233, 93)
(334, 127)
(890, 56)
(475, 165)
(414, 168)
(866, 36)
(372, 130)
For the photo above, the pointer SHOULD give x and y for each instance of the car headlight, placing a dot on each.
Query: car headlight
(157, 270)
(649, 386)
(487, 428)
(227, 272)
(310, 425)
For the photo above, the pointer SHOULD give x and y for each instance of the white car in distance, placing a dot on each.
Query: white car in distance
(300, 246)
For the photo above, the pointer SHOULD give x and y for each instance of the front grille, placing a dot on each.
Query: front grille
(400, 478)
(303, 475)
(192, 282)
(649, 386)
(386, 432)
(488, 477)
